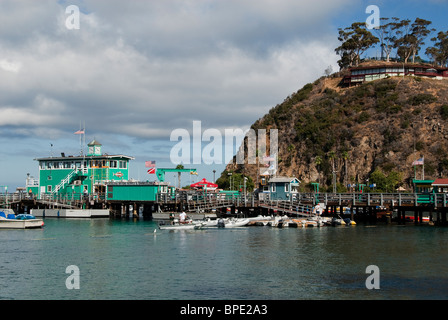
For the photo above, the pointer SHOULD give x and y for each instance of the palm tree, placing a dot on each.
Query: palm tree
(179, 166)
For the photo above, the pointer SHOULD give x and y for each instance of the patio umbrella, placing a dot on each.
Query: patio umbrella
(204, 183)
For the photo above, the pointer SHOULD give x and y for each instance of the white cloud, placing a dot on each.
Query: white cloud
(159, 64)
(10, 66)
(144, 68)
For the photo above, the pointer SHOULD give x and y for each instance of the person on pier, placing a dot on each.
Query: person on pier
(183, 217)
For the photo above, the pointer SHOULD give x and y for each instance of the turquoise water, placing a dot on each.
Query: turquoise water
(124, 259)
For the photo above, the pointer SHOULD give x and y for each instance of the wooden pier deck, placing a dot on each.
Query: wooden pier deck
(367, 206)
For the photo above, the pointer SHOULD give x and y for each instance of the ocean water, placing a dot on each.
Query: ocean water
(126, 260)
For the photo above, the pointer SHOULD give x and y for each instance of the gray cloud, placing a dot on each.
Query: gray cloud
(144, 68)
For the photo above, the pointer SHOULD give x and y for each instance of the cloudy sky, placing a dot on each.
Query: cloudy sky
(136, 70)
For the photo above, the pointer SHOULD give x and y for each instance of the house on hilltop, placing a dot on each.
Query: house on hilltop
(369, 72)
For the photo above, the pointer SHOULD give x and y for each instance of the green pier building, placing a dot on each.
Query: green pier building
(71, 177)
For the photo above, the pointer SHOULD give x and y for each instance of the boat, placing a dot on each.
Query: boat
(279, 222)
(226, 223)
(337, 222)
(318, 221)
(310, 223)
(21, 221)
(260, 221)
(182, 226)
(349, 222)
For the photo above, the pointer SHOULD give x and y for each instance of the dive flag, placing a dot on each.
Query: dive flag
(150, 164)
(152, 171)
(419, 162)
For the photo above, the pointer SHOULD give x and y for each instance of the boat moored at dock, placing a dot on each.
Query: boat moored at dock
(227, 223)
(21, 221)
(182, 226)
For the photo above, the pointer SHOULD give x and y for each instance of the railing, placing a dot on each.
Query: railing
(352, 199)
(300, 202)
(56, 200)
(285, 206)
(63, 182)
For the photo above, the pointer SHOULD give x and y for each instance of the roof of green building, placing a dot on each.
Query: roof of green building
(94, 143)
(104, 156)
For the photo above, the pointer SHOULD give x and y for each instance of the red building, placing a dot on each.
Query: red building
(361, 74)
(440, 185)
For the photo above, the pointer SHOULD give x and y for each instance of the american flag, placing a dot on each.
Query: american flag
(150, 164)
(419, 162)
(79, 132)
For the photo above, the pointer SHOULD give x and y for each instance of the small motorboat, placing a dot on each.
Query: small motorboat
(226, 223)
(21, 221)
(310, 223)
(182, 226)
(337, 222)
(349, 222)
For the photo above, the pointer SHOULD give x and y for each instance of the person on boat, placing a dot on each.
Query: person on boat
(183, 217)
(171, 218)
(317, 210)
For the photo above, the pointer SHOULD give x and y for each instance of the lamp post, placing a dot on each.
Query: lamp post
(230, 180)
(245, 178)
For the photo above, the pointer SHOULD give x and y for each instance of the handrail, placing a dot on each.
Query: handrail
(302, 201)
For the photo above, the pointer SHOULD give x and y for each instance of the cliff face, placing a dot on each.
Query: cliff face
(381, 125)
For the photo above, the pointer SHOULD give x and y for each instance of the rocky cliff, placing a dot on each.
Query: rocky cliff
(381, 126)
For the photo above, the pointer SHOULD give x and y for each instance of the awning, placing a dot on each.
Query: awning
(204, 183)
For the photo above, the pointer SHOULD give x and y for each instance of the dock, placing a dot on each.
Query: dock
(360, 207)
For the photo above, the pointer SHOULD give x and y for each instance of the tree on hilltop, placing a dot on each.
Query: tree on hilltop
(439, 52)
(387, 36)
(412, 37)
(355, 39)
(403, 35)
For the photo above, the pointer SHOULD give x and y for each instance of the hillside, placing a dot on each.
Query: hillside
(379, 127)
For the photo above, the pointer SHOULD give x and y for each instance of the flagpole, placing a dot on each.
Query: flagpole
(423, 168)
(80, 138)
(84, 138)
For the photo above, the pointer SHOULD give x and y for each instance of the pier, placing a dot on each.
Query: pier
(417, 208)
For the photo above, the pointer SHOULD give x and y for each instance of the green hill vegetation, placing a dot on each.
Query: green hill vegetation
(369, 134)
(366, 134)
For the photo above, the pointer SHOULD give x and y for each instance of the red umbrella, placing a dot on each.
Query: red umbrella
(204, 183)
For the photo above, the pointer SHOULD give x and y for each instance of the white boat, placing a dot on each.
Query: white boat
(226, 223)
(20, 221)
(319, 221)
(260, 218)
(235, 223)
(182, 226)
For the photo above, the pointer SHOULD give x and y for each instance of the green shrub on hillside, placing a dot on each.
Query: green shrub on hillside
(421, 98)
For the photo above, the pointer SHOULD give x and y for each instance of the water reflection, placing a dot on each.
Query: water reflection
(125, 260)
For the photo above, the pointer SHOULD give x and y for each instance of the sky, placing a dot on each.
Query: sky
(135, 71)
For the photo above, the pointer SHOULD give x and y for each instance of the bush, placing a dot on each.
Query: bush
(303, 93)
(444, 111)
(364, 116)
(382, 88)
(421, 98)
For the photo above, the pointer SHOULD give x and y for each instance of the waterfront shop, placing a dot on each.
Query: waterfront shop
(72, 177)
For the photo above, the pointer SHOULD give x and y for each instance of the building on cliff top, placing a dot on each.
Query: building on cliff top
(365, 73)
